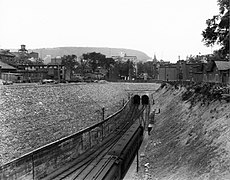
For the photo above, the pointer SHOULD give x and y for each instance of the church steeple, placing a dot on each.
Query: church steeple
(155, 58)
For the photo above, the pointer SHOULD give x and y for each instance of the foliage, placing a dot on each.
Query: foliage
(39, 61)
(146, 67)
(94, 60)
(217, 30)
(107, 63)
(69, 61)
(125, 69)
(82, 66)
(91, 62)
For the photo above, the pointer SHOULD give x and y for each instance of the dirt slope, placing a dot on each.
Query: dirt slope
(190, 140)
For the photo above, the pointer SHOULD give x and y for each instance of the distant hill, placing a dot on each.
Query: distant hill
(60, 51)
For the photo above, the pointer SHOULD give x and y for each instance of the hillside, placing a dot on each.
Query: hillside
(190, 140)
(60, 51)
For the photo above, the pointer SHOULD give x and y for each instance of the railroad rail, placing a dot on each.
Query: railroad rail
(102, 164)
(75, 156)
(90, 164)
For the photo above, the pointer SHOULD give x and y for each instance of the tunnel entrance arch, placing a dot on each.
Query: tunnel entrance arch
(145, 100)
(136, 100)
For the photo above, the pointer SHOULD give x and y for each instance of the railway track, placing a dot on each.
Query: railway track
(86, 168)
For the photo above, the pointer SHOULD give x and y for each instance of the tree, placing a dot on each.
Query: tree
(94, 59)
(146, 67)
(217, 31)
(108, 64)
(82, 66)
(69, 61)
(140, 68)
(39, 61)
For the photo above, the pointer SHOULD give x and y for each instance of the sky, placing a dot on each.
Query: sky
(166, 28)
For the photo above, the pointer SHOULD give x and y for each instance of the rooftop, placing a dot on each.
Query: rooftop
(222, 65)
(4, 52)
(6, 66)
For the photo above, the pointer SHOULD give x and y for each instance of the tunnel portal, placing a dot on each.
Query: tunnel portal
(145, 100)
(136, 100)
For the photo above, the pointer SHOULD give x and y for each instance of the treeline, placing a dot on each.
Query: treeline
(96, 62)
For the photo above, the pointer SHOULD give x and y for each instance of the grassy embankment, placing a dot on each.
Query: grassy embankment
(191, 139)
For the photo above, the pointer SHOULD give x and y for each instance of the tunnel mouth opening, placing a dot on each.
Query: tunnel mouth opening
(136, 100)
(145, 100)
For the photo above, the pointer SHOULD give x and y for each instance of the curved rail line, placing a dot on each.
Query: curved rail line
(80, 170)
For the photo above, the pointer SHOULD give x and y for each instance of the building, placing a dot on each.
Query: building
(23, 49)
(168, 72)
(56, 60)
(210, 71)
(186, 70)
(5, 68)
(217, 72)
(198, 72)
(7, 72)
(34, 55)
(47, 59)
(130, 58)
(181, 71)
(35, 73)
(6, 56)
(24, 57)
(125, 58)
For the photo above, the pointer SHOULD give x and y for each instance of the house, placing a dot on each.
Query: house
(5, 68)
(6, 56)
(224, 71)
(198, 71)
(218, 72)
(130, 58)
(125, 58)
(34, 55)
(7, 72)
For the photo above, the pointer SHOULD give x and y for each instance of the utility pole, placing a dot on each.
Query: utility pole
(103, 114)
(58, 73)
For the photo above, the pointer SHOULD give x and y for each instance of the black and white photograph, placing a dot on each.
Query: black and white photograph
(114, 90)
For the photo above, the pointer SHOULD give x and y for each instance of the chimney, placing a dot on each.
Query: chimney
(23, 47)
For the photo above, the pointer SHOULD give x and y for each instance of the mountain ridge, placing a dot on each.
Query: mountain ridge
(78, 51)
